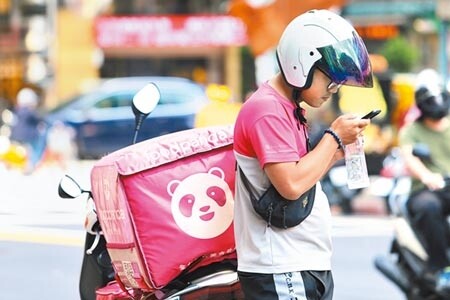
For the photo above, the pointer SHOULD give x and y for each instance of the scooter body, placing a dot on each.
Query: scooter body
(405, 264)
(96, 269)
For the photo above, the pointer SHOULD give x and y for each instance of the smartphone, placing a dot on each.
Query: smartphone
(372, 114)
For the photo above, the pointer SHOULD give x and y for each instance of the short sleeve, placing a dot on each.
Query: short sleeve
(406, 136)
(274, 140)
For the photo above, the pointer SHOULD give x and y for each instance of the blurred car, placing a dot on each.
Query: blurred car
(103, 120)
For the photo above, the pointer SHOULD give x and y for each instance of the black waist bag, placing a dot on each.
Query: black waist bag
(277, 210)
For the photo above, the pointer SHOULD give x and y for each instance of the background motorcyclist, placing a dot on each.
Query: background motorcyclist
(429, 204)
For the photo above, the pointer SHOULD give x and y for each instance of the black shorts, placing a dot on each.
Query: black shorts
(302, 285)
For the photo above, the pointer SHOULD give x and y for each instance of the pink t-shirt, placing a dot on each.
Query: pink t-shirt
(267, 131)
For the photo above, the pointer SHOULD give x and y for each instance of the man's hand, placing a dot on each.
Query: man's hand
(348, 127)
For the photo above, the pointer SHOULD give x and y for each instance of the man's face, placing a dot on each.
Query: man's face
(321, 90)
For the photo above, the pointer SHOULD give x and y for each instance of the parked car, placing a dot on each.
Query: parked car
(103, 121)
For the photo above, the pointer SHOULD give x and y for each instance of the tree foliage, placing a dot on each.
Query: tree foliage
(401, 54)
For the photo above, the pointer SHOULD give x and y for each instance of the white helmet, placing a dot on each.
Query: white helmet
(322, 39)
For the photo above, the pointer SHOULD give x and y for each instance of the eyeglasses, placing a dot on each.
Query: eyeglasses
(333, 87)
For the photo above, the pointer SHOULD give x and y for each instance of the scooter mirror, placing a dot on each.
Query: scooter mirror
(145, 101)
(68, 188)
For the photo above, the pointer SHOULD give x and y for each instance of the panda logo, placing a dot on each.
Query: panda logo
(202, 204)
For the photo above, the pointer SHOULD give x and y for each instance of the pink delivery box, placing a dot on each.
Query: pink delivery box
(166, 203)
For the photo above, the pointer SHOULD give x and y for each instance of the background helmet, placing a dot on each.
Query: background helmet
(431, 100)
(430, 79)
(432, 104)
(322, 39)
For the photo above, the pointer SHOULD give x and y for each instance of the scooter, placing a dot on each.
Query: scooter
(405, 264)
(97, 279)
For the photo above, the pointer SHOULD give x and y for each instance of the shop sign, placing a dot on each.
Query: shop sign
(169, 31)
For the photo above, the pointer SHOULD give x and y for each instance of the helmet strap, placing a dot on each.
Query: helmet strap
(298, 111)
(295, 94)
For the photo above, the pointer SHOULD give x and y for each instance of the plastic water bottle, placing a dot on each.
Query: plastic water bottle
(355, 162)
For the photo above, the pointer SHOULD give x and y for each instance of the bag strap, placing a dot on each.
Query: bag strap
(246, 183)
(252, 196)
(301, 120)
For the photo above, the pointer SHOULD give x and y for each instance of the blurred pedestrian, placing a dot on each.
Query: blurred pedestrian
(28, 127)
(61, 148)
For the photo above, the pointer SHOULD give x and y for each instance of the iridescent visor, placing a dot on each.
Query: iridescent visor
(347, 63)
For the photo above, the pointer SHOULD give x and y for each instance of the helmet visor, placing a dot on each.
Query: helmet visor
(347, 62)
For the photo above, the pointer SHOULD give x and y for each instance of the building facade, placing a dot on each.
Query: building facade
(58, 46)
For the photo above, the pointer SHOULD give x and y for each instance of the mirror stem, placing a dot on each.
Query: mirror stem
(135, 136)
(139, 120)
